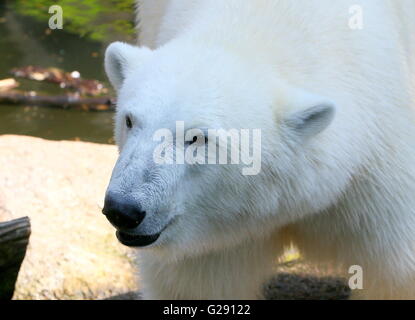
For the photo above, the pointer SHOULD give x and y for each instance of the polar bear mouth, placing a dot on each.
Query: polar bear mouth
(136, 240)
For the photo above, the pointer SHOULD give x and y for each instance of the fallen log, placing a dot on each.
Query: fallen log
(69, 80)
(63, 101)
(14, 238)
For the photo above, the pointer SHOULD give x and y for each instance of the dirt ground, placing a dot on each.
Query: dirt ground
(73, 253)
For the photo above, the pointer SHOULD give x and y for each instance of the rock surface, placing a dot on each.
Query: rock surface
(73, 252)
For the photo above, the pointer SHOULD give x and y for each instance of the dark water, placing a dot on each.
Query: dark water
(24, 41)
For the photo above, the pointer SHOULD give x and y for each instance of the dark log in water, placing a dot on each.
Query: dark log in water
(14, 238)
(63, 102)
(64, 79)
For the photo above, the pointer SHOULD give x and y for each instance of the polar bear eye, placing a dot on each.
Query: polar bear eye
(128, 122)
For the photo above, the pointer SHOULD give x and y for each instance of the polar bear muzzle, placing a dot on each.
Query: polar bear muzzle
(136, 240)
(126, 215)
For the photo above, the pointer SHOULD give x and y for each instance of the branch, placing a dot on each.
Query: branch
(64, 101)
(64, 79)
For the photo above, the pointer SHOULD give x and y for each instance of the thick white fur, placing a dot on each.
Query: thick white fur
(346, 197)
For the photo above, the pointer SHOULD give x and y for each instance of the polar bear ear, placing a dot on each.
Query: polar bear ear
(121, 58)
(312, 115)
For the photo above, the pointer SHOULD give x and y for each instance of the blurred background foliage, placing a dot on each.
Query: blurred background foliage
(26, 40)
(98, 20)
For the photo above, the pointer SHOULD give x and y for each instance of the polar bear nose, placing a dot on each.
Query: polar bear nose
(122, 212)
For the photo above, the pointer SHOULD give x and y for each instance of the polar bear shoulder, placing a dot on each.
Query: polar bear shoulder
(158, 21)
(150, 14)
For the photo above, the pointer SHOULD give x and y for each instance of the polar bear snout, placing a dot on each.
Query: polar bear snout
(123, 213)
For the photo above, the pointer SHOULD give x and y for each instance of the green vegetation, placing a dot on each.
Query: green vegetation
(95, 19)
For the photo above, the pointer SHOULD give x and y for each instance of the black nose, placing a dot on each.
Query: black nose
(123, 212)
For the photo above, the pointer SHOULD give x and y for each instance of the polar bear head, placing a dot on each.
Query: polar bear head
(153, 199)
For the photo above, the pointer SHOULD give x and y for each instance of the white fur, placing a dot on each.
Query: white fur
(342, 188)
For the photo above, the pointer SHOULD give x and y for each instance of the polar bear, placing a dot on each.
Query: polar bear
(334, 103)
